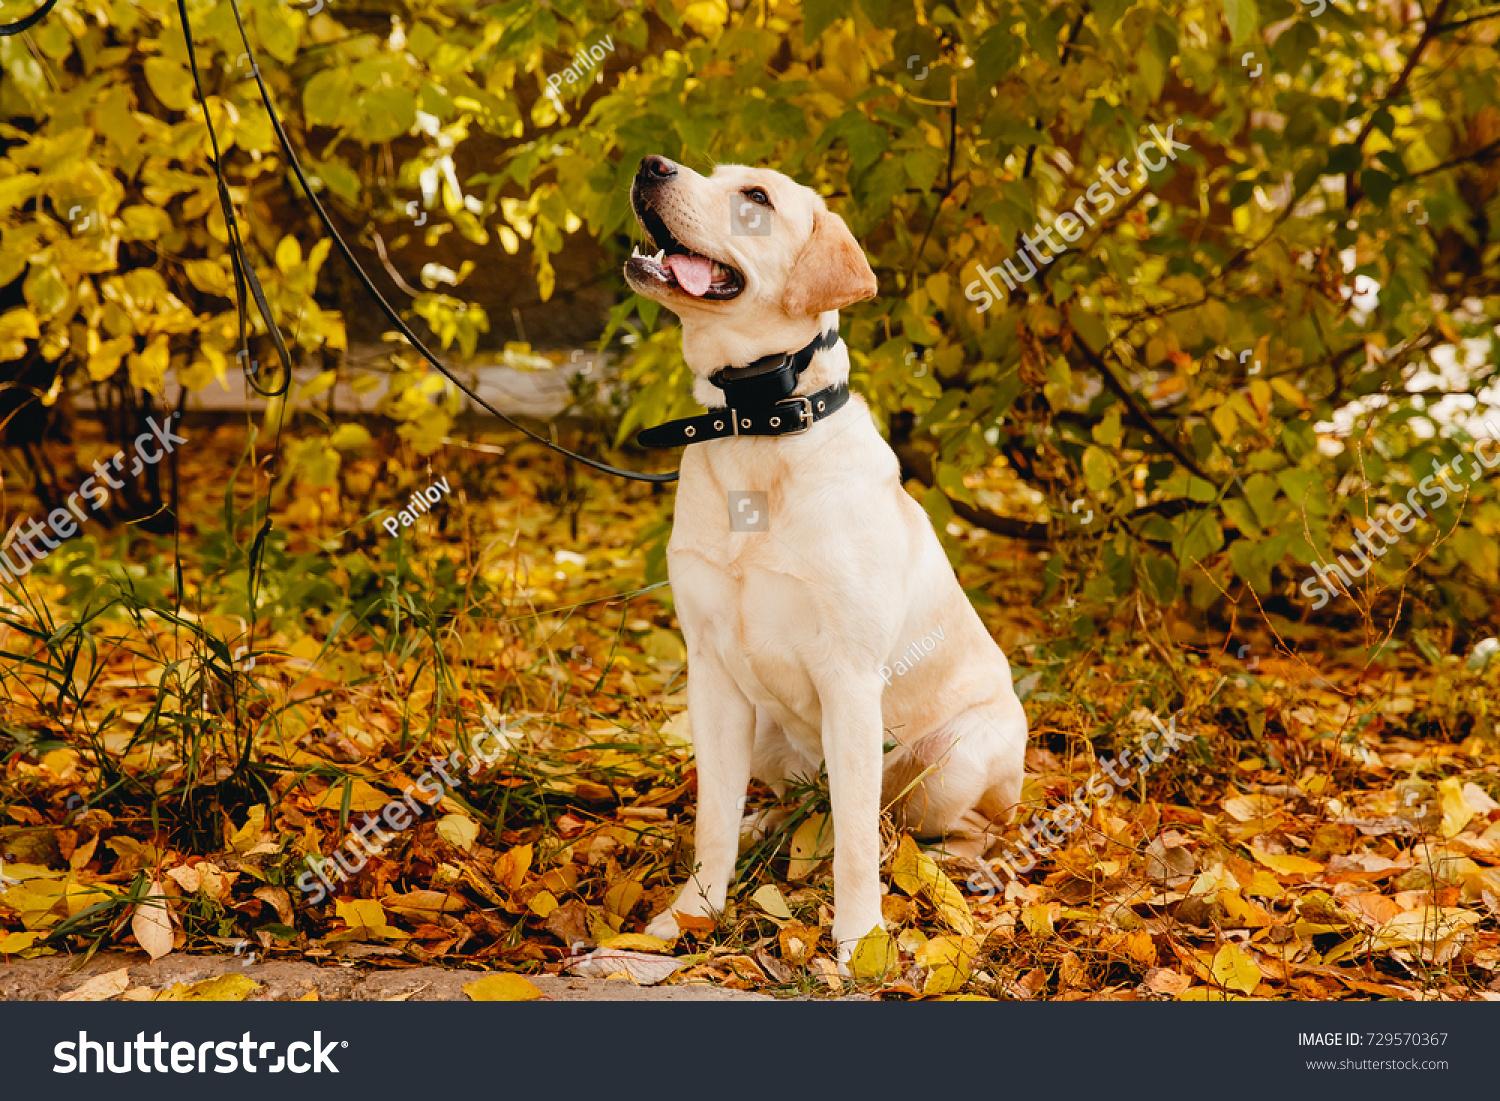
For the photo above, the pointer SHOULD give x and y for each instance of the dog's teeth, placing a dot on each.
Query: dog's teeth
(635, 252)
(660, 256)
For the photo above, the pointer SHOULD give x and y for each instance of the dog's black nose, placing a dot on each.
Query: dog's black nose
(655, 169)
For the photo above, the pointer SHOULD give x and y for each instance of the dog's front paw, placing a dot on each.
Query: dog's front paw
(664, 926)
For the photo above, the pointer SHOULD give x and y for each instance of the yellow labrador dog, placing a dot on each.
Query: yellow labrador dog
(824, 624)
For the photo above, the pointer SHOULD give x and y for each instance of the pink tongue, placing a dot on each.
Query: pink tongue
(694, 273)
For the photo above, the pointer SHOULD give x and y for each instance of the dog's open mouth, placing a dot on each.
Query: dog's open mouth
(678, 266)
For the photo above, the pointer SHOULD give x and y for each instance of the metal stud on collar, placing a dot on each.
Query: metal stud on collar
(690, 431)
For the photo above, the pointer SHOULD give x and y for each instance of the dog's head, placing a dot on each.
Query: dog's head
(744, 245)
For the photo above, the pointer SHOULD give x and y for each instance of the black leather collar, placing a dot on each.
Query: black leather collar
(758, 401)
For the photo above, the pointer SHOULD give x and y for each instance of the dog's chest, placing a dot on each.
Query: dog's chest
(741, 600)
(761, 600)
(787, 559)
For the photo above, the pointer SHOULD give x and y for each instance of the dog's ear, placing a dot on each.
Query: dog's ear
(832, 271)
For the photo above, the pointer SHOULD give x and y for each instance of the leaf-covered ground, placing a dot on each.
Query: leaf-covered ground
(1330, 831)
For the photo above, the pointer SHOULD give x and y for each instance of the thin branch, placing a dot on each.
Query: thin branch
(1061, 61)
(1352, 193)
(389, 270)
(947, 187)
(1483, 153)
(918, 465)
(1133, 403)
(1443, 28)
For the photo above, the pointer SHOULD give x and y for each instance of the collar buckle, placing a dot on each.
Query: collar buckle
(804, 414)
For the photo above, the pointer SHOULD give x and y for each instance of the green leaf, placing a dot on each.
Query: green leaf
(1158, 574)
(939, 508)
(388, 113)
(1244, 519)
(1242, 18)
(1378, 186)
(818, 15)
(326, 98)
(1305, 489)
(1299, 439)
(1294, 44)
(1089, 325)
(1107, 432)
(279, 31)
(1107, 12)
(1261, 491)
(339, 178)
(1098, 469)
(1201, 537)
(1247, 564)
(1341, 159)
(998, 52)
(951, 480)
(922, 167)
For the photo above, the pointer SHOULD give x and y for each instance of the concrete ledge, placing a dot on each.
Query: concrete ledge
(47, 978)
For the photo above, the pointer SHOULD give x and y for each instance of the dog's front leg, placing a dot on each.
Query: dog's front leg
(852, 748)
(723, 723)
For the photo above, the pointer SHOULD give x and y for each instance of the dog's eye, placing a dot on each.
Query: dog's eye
(757, 195)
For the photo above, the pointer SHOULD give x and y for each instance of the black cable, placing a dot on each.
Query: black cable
(244, 271)
(26, 23)
(244, 275)
(368, 283)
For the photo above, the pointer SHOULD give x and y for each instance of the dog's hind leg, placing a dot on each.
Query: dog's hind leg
(723, 723)
(963, 778)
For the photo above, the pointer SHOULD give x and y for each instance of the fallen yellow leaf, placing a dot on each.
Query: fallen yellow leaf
(459, 830)
(620, 899)
(543, 903)
(17, 942)
(232, 986)
(769, 899)
(874, 955)
(101, 987)
(914, 871)
(1286, 863)
(1236, 969)
(639, 942)
(152, 923)
(502, 987)
(949, 962)
(812, 843)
